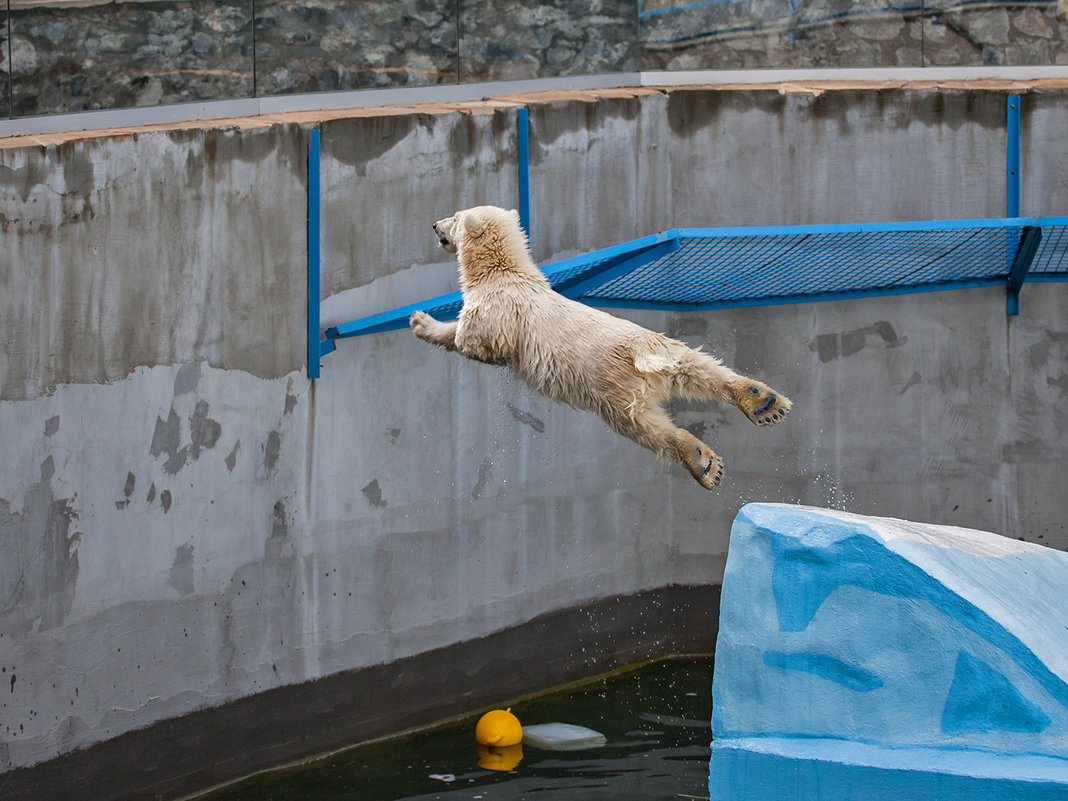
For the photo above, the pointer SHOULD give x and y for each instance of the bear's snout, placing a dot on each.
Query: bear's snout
(442, 231)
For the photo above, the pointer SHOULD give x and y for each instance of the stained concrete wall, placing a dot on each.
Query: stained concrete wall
(186, 520)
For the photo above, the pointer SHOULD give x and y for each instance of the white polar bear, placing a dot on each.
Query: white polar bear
(580, 355)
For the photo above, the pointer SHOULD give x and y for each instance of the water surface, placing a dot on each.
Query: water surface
(656, 719)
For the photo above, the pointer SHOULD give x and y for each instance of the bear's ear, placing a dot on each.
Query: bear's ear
(515, 214)
(473, 224)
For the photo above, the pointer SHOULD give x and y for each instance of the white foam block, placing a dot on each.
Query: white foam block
(561, 737)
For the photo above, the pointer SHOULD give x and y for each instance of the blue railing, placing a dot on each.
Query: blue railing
(695, 269)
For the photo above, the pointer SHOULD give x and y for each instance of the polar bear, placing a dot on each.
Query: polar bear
(577, 354)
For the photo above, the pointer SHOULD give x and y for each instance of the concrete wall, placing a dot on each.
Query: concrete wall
(186, 521)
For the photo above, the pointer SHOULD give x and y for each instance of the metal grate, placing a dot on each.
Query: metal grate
(1051, 260)
(708, 268)
(712, 268)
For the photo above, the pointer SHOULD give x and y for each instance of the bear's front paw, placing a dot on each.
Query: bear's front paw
(760, 403)
(421, 324)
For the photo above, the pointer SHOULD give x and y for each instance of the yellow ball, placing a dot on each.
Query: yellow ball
(499, 727)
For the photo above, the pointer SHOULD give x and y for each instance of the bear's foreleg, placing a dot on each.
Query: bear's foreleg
(445, 335)
(433, 331)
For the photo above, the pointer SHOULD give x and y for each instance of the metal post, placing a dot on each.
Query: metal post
(314, 202)
(523, 146)
(1012, 157)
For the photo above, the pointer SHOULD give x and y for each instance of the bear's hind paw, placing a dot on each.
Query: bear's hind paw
(704, 465)
(760, 403)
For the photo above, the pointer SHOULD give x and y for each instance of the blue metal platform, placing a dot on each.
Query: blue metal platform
(697, 269)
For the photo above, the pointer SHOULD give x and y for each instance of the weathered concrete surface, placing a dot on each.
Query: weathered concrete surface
(186, 520)
(145, 250)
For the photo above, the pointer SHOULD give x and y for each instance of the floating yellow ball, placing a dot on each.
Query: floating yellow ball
(499, 727)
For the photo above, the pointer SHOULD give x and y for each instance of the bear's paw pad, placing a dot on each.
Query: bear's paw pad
(705, 465)
(763, 405)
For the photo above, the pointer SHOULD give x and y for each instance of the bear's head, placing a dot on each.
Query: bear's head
(481, 225)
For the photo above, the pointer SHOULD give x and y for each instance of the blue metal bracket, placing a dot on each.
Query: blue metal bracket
(444, 308)
(1030, 239)
(1012, 157)
(314, 227)
(523, 156)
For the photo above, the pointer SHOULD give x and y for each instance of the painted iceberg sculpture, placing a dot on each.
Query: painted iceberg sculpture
(869, 658)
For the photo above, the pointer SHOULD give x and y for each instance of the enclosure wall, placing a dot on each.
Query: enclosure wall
(188, 526)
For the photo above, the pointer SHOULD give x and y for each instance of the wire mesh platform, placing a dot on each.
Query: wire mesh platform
(715, 268)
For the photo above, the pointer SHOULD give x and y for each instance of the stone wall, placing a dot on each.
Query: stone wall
(76, 55)
(831, 33)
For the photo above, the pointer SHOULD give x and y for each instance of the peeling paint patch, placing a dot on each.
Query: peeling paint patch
(51, 425)
(187, 379)
(165, 500)
(279, 532)
(203, 431)
(177, 461)
(526, 418)
(485, 470)
(37, 589)
(48, 469)
(291, 400)
(836, 346)
(167, 435)
(181, 573)
(231, 460)
(271, 450)
(373, 493)
(392, 434)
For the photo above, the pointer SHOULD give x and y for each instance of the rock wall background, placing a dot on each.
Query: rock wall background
(63, 56)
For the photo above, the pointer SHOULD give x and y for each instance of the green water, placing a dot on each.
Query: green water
(656, 720)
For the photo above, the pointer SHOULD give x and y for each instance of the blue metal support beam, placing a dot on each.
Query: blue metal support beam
(314, 226)
(1012, 158)
(523, 157)
(316, 348)
(1025, 255)
(444, 308)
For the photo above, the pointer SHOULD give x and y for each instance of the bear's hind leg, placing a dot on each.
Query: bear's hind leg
(652, 428)
(698, 375)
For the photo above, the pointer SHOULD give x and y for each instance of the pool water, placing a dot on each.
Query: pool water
(656, 719)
